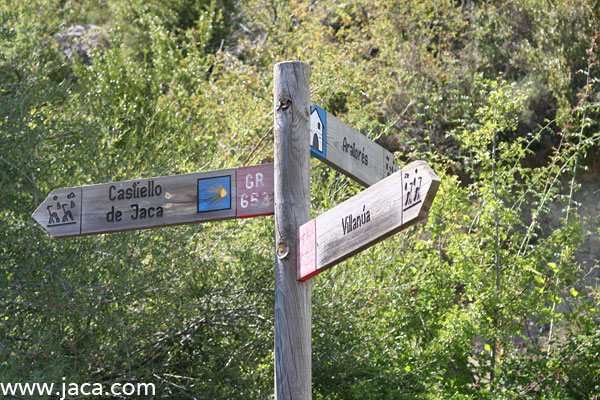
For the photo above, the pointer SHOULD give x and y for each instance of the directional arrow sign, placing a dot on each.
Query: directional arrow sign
(389, 206)
(155, 202)
(347, 150)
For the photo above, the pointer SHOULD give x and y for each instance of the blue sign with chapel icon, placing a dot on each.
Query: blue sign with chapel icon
(318, 132)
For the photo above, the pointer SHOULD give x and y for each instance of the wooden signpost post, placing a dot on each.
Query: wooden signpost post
(395, 200)
(378, 212)
(292, 209)
(347, 150)
(156, 202)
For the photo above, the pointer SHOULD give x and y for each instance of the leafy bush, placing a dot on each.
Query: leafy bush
(487, 300)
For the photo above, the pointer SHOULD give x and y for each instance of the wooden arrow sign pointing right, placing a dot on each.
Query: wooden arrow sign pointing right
(344, 148)
(391, 205)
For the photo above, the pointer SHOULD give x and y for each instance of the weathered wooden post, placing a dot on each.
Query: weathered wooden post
(292, 209)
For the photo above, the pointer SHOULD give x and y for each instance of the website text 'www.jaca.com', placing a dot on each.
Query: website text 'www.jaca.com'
(66, 390)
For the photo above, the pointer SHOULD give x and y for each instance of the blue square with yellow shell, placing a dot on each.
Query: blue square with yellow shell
(214, 193)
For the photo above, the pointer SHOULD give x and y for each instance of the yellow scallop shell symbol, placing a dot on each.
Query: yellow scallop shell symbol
(215, 194)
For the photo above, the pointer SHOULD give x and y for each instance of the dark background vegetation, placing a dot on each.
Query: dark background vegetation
(494, 297)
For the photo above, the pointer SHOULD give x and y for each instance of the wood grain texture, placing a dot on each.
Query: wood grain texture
(292, 208)
(391, 205)
(353, 154)
(157, 202)
(178, 200)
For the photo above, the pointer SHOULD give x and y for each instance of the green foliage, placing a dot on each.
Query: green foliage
(487, 300)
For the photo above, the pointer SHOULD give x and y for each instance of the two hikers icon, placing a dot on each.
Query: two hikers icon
(67, 215)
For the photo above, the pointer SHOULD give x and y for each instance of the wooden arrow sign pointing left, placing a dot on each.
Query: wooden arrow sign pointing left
(156, 202)
(389, 206)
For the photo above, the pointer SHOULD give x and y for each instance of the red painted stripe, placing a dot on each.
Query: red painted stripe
(306, 253)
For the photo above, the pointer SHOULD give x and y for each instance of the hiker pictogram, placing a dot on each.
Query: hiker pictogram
(390, 165)
(412, 189)
(65, 208)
